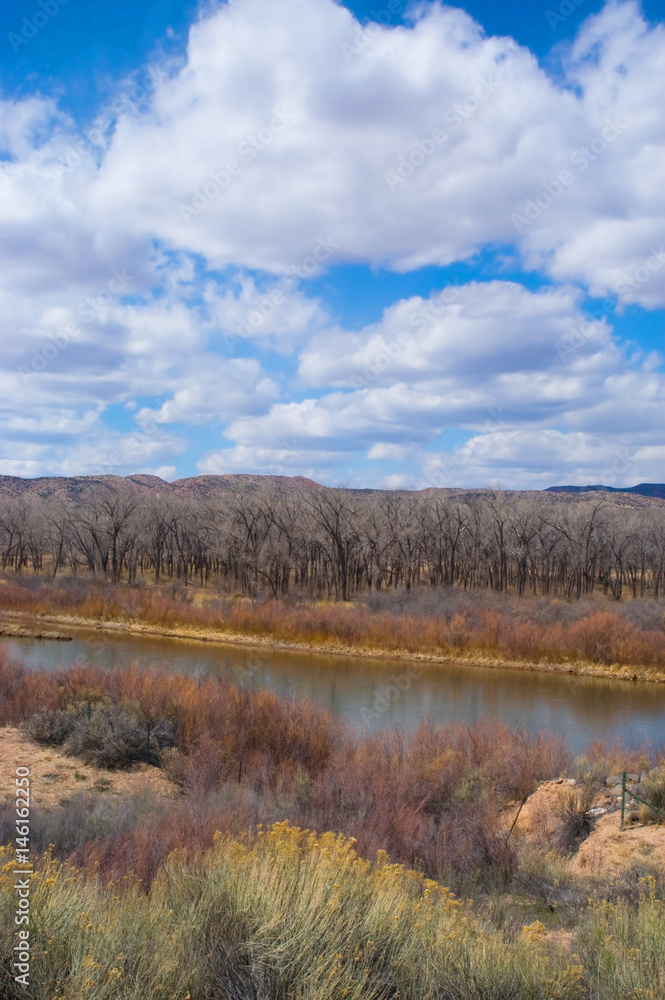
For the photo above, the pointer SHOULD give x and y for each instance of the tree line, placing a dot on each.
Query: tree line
(337, 542)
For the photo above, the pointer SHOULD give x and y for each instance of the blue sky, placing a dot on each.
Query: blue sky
(372, 244)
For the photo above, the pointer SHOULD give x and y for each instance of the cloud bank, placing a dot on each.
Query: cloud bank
(156, 261)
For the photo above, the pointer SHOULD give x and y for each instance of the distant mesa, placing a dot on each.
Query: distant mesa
(642, 489)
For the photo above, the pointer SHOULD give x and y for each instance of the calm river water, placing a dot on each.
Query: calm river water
(355, 689)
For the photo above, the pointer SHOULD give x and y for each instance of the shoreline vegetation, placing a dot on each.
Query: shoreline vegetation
(544, 581)
(457, 861)
(592, 636)
(448, 861)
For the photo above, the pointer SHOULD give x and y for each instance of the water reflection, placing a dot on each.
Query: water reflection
(384, 693)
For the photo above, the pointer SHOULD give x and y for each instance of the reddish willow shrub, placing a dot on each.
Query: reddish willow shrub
(240, 722)
(431, 798)
(603, 637)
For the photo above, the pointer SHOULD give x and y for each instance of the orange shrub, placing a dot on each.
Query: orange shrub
(602, 637)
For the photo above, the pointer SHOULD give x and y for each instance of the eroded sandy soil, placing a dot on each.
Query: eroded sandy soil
(608, 850)
(55, 778)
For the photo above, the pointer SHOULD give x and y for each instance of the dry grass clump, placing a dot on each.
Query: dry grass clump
(622, 946)
(287, 914)
(653, 792)
(576, 821)
(51, 727)
(114, 737)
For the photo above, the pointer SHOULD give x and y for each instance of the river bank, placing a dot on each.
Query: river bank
(208, 634)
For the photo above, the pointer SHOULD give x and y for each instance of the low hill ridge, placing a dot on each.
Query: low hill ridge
(72, 489)
(642, 489)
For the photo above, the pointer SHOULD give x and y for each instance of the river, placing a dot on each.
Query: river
(379, 693)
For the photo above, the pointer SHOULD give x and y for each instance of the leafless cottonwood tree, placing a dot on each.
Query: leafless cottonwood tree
(337, 542)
